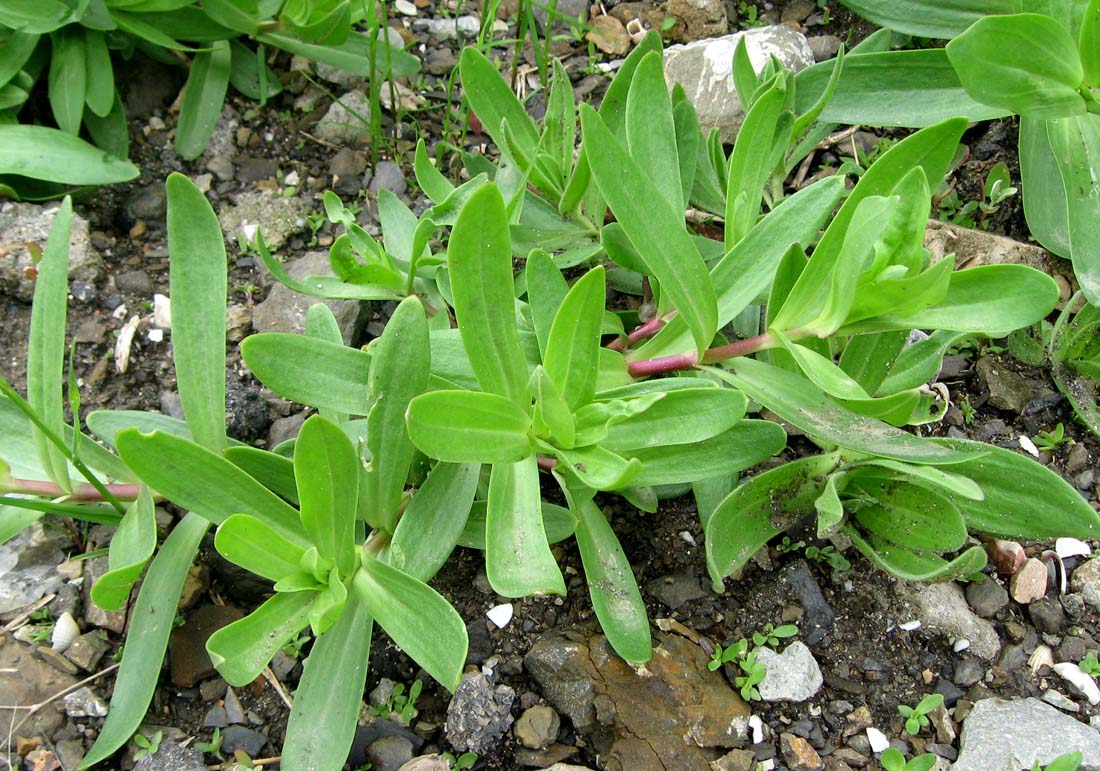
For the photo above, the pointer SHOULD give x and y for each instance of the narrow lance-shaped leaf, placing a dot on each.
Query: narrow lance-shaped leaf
(316, 372)
(518, 560)
(415, 617)
(651, 130)
(573, 348)
(611, 585)
(241, 650)
(131, 547)
(434, 519)
(46, 352)
(67, 78)
(323, 720)
(656, 229)
(928, 18)
(326, 468)
(197, 284)
(399, 372)
(546, 289)
(679, 417)
(100, 87)
(469, 427)
(321, 324)
(202, 101)
(48, 154)
(746, 444)
(1076, 146)
(480, 260)
(153, 618)
(1088, 44)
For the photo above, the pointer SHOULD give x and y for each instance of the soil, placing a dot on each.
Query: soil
(865, 657)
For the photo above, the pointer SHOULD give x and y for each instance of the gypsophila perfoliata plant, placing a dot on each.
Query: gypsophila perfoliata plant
(916, 717)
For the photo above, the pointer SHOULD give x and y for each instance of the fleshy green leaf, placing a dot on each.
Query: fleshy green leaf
(434, 520)
(518, 560)
(241, 650)
(48, 154)
(415, 617)
(326, 469)
(746, 444)
(202, 101)
(651, 131)
(928, 18)
(914, 566)
(131, 547)
(469, 427)
(67, 78)
(256, 547)
(197, 283)
(680, 417)
(315, 372)
(906, 515)
(1075, 143)
(573, 347)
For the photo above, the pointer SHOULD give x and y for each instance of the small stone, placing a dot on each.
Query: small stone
(215, 717)
(389, 753)
(284, 310)
(440, 61)
(1007, 556)
(347, 121)
(609, 35)
(799, 753)
(88, 649)
(793, 675)
(1008, 390)
(1086, 580)
(69, 753)
(735, 760)
(676, 590)
(877, 740)
(388, 176)
(427, 763)
(1000, 734)
(237, 737)
(234, 712)
(537, 727)
(697, 19)
(136, 282)
(1076, 460)
(479, 713)
(1047, 615)
(187, 656)
(83, 703)
(500, 615)
(1060, 700)
(942, 610)
(968, 672)
(824, 47)
(172, 757)
(986, 597)
(1029, 583)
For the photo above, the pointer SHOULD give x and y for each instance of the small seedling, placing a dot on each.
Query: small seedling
(892, 760)
(830, 556)
(1090, 665)
(967, 410)
(1068, 762)
(294, 647)
(753, 672)
(212, 747)
(147, 745)
(916, 718)
(771, 635)
(1053, 439)
(465, 760)
(732, 653)
(399, 703)
(786, 546)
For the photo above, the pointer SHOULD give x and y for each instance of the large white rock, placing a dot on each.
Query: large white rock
(705, 70)
(793, 675)
(1001, 735)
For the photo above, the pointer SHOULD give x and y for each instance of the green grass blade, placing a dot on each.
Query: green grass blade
(202, 101)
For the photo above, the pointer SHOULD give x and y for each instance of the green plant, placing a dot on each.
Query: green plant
(786, 546)
(400, 704)
(916, 718)
(1068, 762)
(967, 410)
(74, 49)
(147, 745)
(995, 190)
(212, 747)
(830, 556)
(1042, 65)
(893, 760)
(1090, 666)
(465, 760)
(1053, 439)
(293, 648)
(771, 634)
(730, 654)
(1074, 353)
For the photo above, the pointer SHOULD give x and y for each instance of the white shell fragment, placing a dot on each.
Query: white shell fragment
(1072, 547)
(1072, 674)
(123, 343)
(960, 645)
(65, 630)
(1041, 657)
(155, 335)
(405, 7)
(1028, 446)
(757, 726)
(500, 615)
(878, 740)
(162, 312)
(909, 626)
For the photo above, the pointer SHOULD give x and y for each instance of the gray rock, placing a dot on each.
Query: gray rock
(84, 703)
(389, 753)
(335, 75)
(135, 282)
(276, 216)
(793, 675)
(25, 223)
(1086, 581)
(704, 69)
(388, 176)
(537, 727)
(817, 614)
(286, 428)
(1001, 735)
(968, 672)
(87, 649)
(1047, 615)
(222, 148)
(347, 120)
(69, 753)
(440, 61)
(284, 310)
(172, 757)
(675, 590)
(479, 714)
(28, 566)
(942, 610)
(698, 19)
(451, 29)
(1008, 390)
(148, 203)
(215, 717)
(825, 47)
(27, 681)
(427, 763)
(237, 737)
(986, 597)
(1060, 700)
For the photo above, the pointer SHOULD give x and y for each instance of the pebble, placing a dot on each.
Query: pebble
(1004, 734)
(1047, 615)
(1060, 700)
(1086, 580)
(215, 717)
(676, 590)
(537, 727)
(440, 61)
(968, 672)
(986, 597)
(172, 757)
(427, 763)
(84, 703)
(87, 649)
(824, 47)
(818, 614)
(136, 282)
(388, 176)
(389, 753)
(799, 754)
(877, 739)
(943, 610)
(793, 675)
(237, 737)
(479, 713)
(187, 657)
(1029, 583)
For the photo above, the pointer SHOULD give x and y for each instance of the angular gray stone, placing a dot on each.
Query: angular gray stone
(172, 757)
(389, 753)
(84, 703)
(1086, 581)
(942, 610)
(793, 675)
(1001, 735)
(450, 29)
(276, 216)
(1008, 390)
(25, 223)
(698, 19)
(705, 70)
(27, 681)
(28, 566)
(537, 727)
(347, 120)
(284, 310)
(986, 597)
(479, 714)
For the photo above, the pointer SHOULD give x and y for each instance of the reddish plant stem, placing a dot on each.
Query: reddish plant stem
(641, 332)
(83, 493)
(546, 462)
(739, 348)
(663, 364)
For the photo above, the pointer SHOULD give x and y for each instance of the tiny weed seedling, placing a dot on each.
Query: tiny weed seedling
(401, 704)
(212, 747)
(1053, 439)
(1068, 762)
(967, 410)
(1090, 666)
(753, 672)
(465, 760)
(147, 745)
(771, 635)
(786, 546)
(732, 653)
(916, 718)
(892, 760)
(830, 556)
